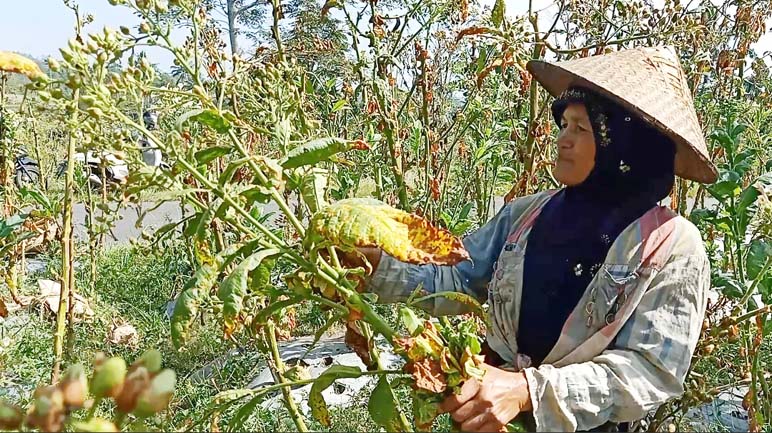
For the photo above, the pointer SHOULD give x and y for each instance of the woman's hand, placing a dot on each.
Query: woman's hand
(491, 404)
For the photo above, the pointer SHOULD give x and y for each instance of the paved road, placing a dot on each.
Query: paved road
(125, 227)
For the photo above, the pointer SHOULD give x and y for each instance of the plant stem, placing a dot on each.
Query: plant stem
(289, 401)
(67, 274)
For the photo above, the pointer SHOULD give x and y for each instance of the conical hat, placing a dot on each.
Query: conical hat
(649, 82)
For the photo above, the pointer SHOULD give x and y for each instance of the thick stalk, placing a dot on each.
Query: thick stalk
(278, 367)
(276, 13)
(68, 277)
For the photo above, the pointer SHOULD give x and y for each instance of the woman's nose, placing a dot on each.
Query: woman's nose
(565, 139)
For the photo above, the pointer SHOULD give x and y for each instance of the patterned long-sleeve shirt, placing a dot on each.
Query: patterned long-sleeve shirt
(626, 347)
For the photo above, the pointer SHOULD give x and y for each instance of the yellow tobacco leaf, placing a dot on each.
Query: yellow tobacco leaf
(364, 222)
(12, 62)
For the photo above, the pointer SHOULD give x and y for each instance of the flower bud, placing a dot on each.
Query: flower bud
(74, 387)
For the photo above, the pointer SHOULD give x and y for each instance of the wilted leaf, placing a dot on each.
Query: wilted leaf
(315, 398)
(427, 374)
(362, 222)
(312, 187)
(15, 63)
(461, 298)
(359, 343)
(124, 334)
(329, 4)
(382, 407)
(319, 150)
(426, 407)
(234, 288)
(195, 292)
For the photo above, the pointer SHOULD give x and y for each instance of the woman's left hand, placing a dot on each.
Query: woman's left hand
(491, 404)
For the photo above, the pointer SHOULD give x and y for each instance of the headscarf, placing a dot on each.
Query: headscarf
(634, 169)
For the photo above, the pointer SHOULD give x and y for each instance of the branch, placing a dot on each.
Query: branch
(576, 50)
(246, 8)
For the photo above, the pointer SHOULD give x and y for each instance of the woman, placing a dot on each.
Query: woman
(595, 321)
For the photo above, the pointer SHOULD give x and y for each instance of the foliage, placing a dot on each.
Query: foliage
(392, 123)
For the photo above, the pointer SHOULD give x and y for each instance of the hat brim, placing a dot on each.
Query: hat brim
(689, 162)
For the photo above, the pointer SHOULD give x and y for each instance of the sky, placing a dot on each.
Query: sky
(41, 27)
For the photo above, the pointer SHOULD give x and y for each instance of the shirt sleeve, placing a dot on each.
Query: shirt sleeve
(645, 366)
(394, 281)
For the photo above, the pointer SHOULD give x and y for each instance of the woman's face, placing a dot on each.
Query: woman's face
(576, 146)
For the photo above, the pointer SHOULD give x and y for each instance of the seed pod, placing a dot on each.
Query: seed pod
(74, 387)
(11, 416)
(54, 65)
(151, 360)
(94, 425)
(161, 6)
(47, 413)
(125, 30)
(108, 378)
(144, 27)
(96, 113)
(157, 396)
(137, 381)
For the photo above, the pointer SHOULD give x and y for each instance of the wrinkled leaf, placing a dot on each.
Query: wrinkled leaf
(461, 298)
(382, 407)
(426, 407)
(427, 374)
(233, 289)
(316, 400)
(15, 63)
(363, 222)
(195, 292)
(312, 187)
(207, 117)
(319, 150)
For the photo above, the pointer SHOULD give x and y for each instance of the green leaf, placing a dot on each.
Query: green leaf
(382, 407)
(233, 289)
(316, 151)
(497, 15)
(205, 156)
(746, 207)
(758, 253)
(316, 400)
(207, 117)
(729, 285)
(340, 105)
(274, 308)
(241, 416)
(312, 187)
(412, 322)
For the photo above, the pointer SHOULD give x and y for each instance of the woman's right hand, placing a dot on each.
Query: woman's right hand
(354, 260)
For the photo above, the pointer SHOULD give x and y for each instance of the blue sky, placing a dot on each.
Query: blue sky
(41, 27)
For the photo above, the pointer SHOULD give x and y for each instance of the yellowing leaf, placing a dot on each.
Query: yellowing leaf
(316, 400)
(364, 222)
(12, 62)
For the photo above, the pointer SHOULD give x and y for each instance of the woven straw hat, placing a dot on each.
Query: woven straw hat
(648, 82)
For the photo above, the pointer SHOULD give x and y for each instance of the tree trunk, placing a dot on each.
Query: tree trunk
(232, 30)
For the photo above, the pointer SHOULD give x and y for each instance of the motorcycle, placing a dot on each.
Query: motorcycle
(26, 170)
(116, 170)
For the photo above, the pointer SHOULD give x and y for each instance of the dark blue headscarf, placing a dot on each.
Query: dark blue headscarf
(634, 169)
